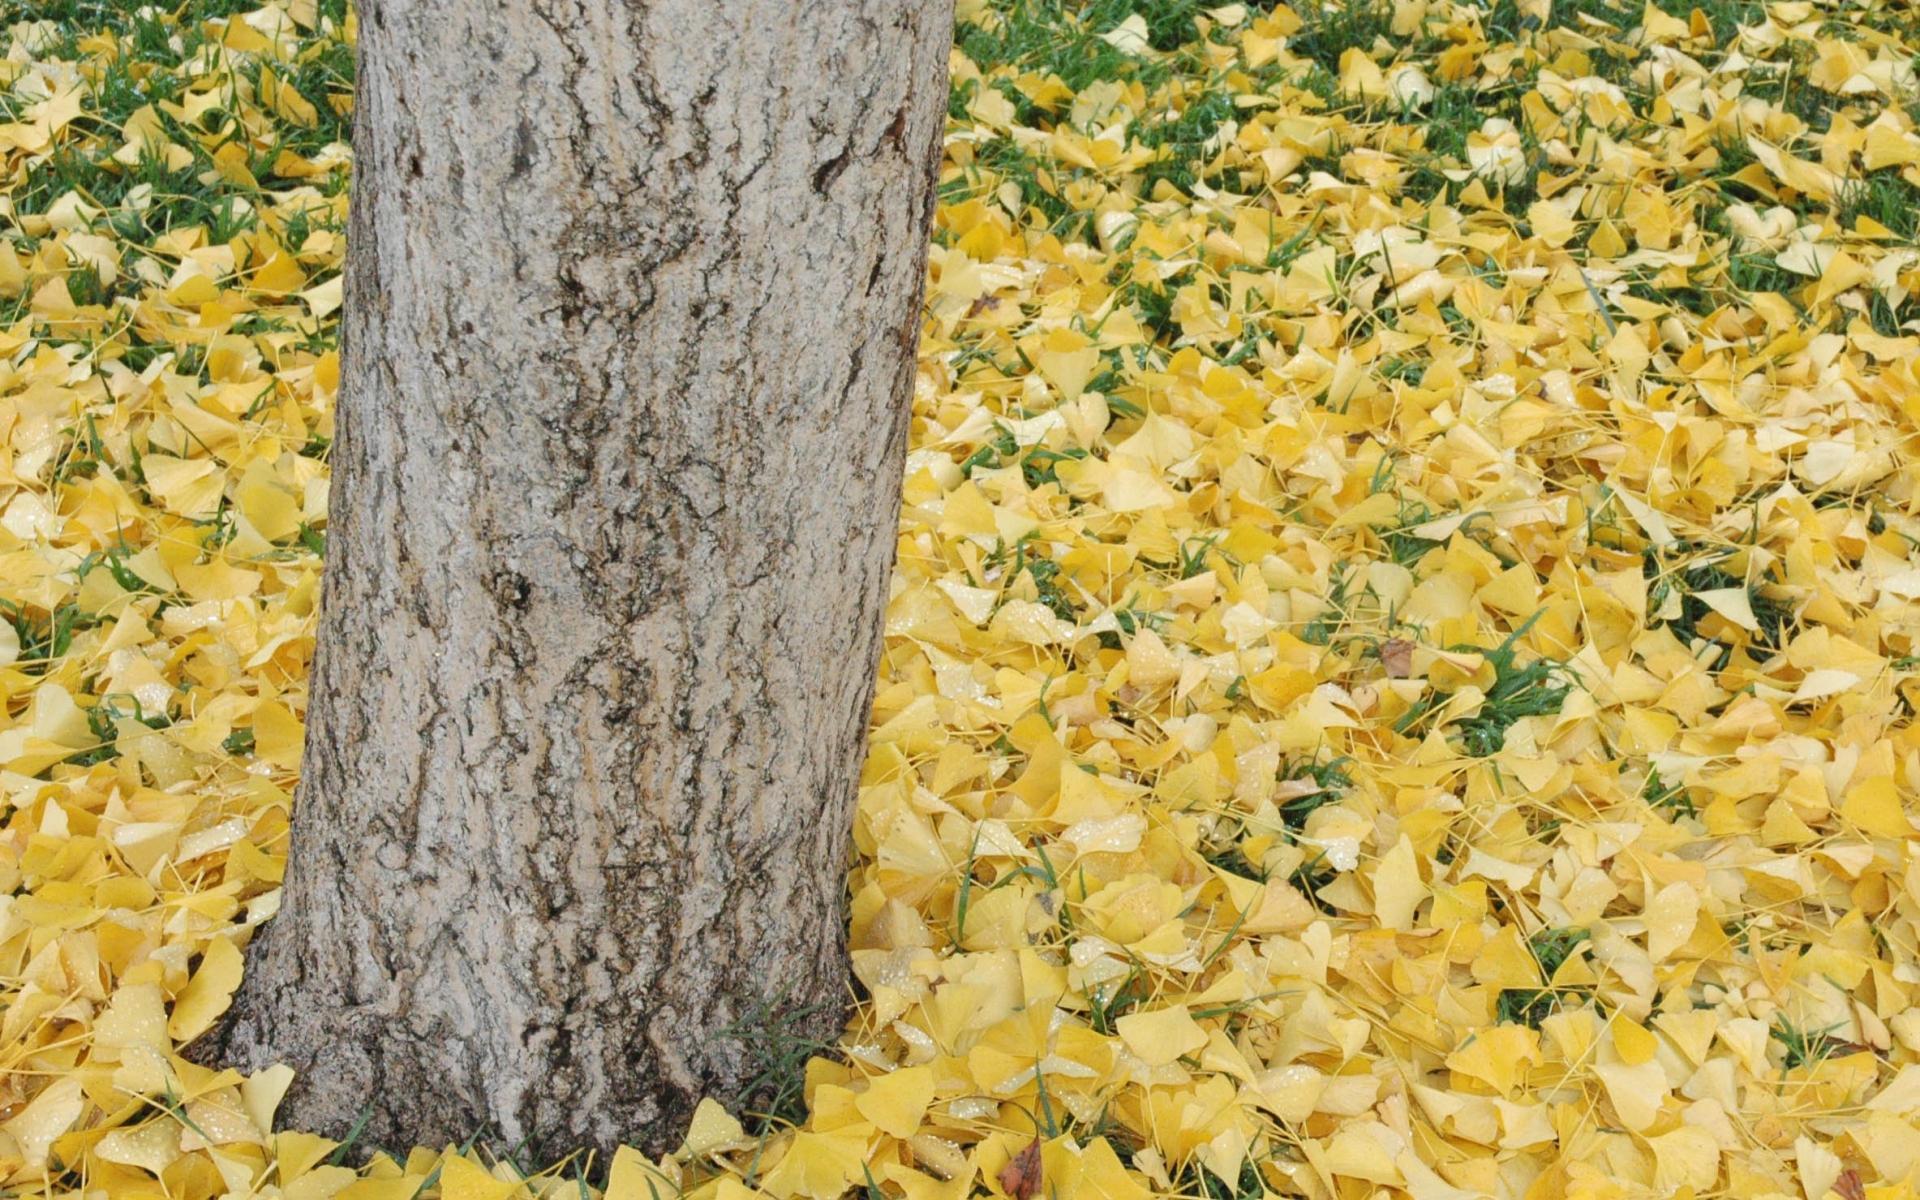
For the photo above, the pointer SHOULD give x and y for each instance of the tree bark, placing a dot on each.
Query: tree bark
(632, 300)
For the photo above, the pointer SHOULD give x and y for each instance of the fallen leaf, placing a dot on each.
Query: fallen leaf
(1020, 1178)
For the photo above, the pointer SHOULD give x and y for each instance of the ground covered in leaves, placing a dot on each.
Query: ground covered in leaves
(1400, 680)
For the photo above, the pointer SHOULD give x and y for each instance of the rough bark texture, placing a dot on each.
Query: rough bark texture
(632, 299)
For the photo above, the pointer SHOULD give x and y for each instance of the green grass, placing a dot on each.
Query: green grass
(1233, 860)
(1171, 24)
(1551, 949)
(1329, 777)
(1694, 575)
(1320, 629)
(1024, 557)
(1670, 798)
(1050, 36)
(1106, 1005)
(1199, 1183)
(1310, 877)
(1533, 688)
(1728, 17)
(1803, 1047)
(1182, 141)
(778, 1038)
(44, 637)
(1039, 181)
(1328, 31)
(1885, 197)
(1402, 544)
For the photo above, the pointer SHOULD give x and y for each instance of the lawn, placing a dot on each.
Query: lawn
(1400, 677)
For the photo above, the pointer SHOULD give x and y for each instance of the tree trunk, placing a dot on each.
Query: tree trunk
(629, 337)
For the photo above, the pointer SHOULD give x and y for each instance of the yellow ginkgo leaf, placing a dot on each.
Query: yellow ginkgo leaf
(463, 1179)
(632, 1176)
(712, 1127)
(818, 1166)
(897, 1101)
(208, 993)
(1161, 1036)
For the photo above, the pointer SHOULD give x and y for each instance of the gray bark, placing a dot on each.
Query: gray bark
(632, 300)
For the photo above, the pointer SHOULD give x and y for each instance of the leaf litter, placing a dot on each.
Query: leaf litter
(1401, 671)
